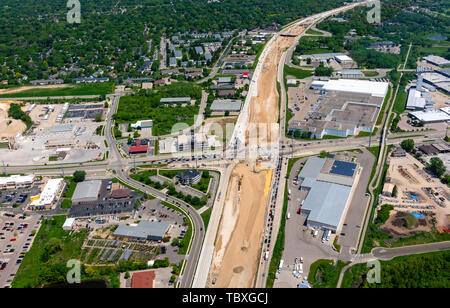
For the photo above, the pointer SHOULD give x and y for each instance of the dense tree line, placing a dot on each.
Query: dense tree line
(36, 40)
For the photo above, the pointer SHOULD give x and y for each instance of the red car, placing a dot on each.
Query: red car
(12, 240)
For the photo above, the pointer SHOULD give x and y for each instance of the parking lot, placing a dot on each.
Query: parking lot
(105, 205)
(15, 198)
(303, 242)
(17, 234)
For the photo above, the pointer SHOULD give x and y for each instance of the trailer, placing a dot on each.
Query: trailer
(281, 265)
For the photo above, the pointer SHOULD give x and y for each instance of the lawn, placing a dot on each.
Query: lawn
(45, 263)
(206, 215)
(428, 270)
(204, 182)
(370, 73)
(325, 274)
(297, 73)
(313, 32)
(79, 89)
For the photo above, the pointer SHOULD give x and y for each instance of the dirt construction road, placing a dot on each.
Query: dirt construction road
(264, 107)
(239, 239)
(238, 244)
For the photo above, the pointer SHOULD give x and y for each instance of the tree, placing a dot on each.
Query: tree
(323, 154)
(437, 166)
(321, 70)
(79, 176)
(407, 145)
(394, 191)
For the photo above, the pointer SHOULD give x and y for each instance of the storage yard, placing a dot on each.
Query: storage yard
(60, 132)
(417, 192)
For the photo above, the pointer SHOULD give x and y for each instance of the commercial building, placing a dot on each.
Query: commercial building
(120, 193)
(170, 100)
(350, 74)
(68, 224)
(198, 142)
(145, 230)
(90, 80)
(377, 89)
(418, 100)
(86, 192)
(143, 280)
(224, 80)
(17, 181)
(221, 106)
(344, 59)
(398, 152)
(140, 147)
(430, 116)
(429, 149)
(388, 189)
(329, 184)
(46, 82)
(142, 124)
(436, 60)
(322, 56)
(340, 114)
(189, 177)
(48, 196)
(440, 79)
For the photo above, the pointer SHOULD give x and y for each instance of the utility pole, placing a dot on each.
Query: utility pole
(4, 167)
(370, 138)
(134, 163)
(62, 170)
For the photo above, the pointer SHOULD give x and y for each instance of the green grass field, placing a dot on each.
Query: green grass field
(206, 215)
(297, 73)
(79, 89)
(45, 263)
(428, 270)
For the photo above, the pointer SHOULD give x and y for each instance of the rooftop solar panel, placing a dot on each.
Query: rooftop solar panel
(343, 168)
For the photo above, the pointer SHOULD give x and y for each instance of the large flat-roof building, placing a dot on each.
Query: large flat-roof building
(86, 192)
(440, 79)
(329, 184)
(143, 280)
(340, 114)
(436, 60)
(145, 230)
(223, 105)
(377, 89)
(17, 181)
(430, 116)
(142, 124)
(418, 100)
(49, 194)
(170, 100)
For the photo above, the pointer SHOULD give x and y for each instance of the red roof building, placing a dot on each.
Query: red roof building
(143, 280)
(138, 148)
